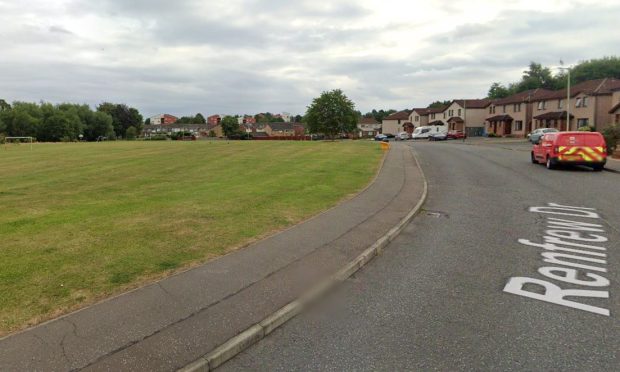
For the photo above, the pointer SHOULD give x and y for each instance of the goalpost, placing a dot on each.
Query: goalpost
(7, 140)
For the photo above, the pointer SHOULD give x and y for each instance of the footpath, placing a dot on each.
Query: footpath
(176, 321)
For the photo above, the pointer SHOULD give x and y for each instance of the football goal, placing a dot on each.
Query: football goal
(17, 140)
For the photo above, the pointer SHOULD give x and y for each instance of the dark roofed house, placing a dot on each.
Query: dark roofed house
(280, 129)
(393, 124)
(368, 127)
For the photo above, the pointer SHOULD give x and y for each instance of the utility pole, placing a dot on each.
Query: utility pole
(464, 119)
(567, 95)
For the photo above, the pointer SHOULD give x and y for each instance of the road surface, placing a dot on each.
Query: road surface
(446, 294)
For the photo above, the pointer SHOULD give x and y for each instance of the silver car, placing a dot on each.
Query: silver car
(537, 133)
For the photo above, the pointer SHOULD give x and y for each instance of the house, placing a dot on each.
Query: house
(590, 104)
(513, 115)
(393, 124)
(466, 115)
(281, 129)
(163, 119)
(200, 130)
(419, 117)
(246, 119)
(368, 127)
(214, 119)
(436, 115)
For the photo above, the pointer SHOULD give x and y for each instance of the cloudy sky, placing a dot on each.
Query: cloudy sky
(248, 56)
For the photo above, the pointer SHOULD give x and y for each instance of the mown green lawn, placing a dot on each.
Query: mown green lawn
(80, 221)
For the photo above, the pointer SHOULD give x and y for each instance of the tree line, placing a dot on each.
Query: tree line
(68, 122)
(539, 76)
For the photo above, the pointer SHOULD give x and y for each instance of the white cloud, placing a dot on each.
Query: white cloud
(245, 56)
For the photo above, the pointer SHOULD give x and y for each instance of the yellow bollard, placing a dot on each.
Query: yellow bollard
(385, 146)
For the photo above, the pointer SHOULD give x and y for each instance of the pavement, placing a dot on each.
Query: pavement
(435, 299)
(166, 325)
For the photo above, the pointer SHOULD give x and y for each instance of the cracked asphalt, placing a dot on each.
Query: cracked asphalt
(434, 299)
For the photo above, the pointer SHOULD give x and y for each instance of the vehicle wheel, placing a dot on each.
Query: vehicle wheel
(534, 161)
(598, 167)
(550, 163)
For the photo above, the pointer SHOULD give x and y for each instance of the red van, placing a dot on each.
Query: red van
(578, 148)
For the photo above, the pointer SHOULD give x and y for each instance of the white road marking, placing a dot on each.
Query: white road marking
(561, 240)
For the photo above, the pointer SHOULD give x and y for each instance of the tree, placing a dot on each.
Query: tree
(230, 126)
(4, 106)
(131, 133)
(147, 121)
(596, 69)
(199, 119)
(298, 118)
(55, 128)
(123, 117)
(331, 113)
(99, 125)
(439, 104)
(498, 90)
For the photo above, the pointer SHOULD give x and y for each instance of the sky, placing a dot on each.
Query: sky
(248, 56)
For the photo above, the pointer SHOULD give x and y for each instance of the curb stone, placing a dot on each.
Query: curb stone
(255, 333)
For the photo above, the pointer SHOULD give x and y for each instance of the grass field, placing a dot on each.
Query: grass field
(80, 222)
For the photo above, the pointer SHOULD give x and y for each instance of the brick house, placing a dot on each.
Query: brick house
(393, 124)
(513, 115)
(368, 127)
(281, 129)
(419, 117)
(163, 119)
(466, 115)
(590, 105)
(214, 119)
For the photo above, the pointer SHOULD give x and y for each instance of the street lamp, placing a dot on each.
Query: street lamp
(567, 94)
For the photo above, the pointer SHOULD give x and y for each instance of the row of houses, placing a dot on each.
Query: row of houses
(286, 129)
(594, 103)
(165, 119)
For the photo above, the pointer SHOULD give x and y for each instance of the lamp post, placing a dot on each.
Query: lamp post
(464, 119)
(567, 95)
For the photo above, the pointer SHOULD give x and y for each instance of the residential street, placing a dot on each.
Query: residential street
(437, 298)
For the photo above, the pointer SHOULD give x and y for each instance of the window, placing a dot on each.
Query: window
(540, 105)
(490, 109)
(584, 102)
(518, 126)
(582, 123)
(578, 102)
(432, 116)
(516, 107)
(459, 112)
(450, 113)
(444, 115)
(504, 109)
(417, 118)
(560, 103)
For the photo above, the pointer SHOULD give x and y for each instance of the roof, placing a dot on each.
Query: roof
(553, 115)
(596, 87)
(456, 119)
(368, 121)
(473, 103)
(500, 118)
(525, 96)
(176, 125)
(616, 107)
(436, 122)
(436, 110)
(421, 111)
(400, 115)
(282, 126)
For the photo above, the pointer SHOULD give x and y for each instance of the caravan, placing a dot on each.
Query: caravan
(427, 131)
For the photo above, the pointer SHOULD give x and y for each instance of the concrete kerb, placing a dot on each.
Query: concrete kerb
(258, 331)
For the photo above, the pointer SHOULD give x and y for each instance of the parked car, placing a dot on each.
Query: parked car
(456, 134)
(441, 136)
(403, 136)
(380, 137)
(538, 133)
(389, 135)
(575, 148)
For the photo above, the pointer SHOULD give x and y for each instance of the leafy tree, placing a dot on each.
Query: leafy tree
(439, 104)
(331, 113)
(230, 126)
(298, 118)
(123, 117)
(612, 138)
(99, 125)
(55, 128)
(131, 133)
(596, 69)
(199, 119)
(147, 121)
(4, 106)
(498, 90)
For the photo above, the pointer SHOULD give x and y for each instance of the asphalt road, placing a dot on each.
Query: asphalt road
(436, 299)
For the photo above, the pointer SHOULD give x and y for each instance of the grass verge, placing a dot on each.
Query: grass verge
(81, 222)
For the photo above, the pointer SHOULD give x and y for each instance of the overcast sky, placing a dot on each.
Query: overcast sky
(249, 56)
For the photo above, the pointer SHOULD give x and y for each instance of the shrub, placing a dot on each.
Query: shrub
(492, 135)
(157, 137)
(131, 133)
(612, 137)
(211, 133)
(586, 128)
(2, 138)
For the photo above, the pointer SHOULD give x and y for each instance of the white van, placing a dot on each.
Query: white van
(426, 131)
